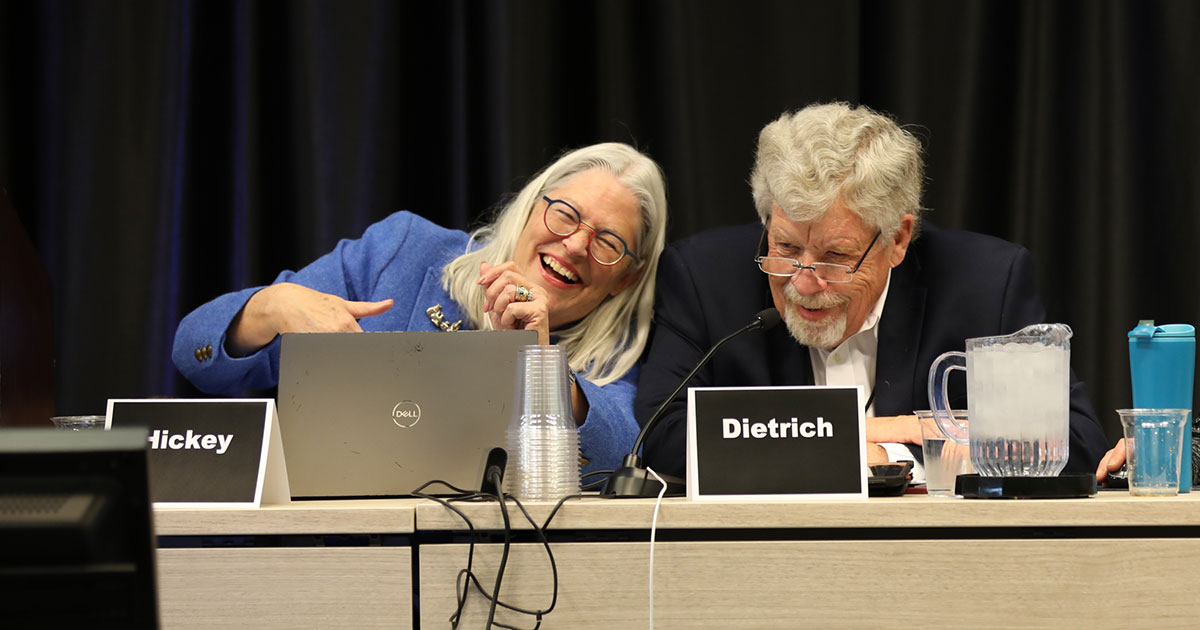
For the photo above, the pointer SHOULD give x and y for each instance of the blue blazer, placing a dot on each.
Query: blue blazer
(401, 258)
(952, 286)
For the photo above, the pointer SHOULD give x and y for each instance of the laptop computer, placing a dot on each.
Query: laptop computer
(380, 413)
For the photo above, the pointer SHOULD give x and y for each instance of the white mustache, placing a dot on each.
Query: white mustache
(813, 302)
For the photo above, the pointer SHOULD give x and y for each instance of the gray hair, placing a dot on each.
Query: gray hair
(807, 160)
(607, 342)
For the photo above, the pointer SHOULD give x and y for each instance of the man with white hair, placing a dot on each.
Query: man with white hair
(838, 191)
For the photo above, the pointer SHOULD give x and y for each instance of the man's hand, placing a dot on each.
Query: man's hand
(1111, 462)
(898, 429)
(288, 307)
(876, 454)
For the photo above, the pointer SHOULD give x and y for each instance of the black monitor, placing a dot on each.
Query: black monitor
(75, 531)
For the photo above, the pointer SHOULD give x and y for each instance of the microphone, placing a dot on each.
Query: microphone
(631, 479)
(493, 472)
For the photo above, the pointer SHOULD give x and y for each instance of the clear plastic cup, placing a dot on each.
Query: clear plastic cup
(945, 459)
(78, 423)
(1153, 448)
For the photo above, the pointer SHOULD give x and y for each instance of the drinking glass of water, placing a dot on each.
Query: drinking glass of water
(945, 459)
(1154, 449)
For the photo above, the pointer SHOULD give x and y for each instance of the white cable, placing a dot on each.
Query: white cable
(653, 526)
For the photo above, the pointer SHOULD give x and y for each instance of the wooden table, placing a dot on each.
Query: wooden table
(1109, 561)
(278, 566)
(912, 561)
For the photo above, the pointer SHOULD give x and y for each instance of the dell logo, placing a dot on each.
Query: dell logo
(406, 413)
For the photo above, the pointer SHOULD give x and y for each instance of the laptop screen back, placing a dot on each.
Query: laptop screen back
(380, 413)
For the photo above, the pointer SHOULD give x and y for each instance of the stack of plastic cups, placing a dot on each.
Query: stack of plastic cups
(543, 442)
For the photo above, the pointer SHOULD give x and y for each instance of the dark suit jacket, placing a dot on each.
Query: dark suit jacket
(952, 286)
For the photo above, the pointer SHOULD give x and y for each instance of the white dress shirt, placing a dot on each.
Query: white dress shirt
(853, 363)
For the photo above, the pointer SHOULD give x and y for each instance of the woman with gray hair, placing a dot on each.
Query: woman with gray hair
(572, 256)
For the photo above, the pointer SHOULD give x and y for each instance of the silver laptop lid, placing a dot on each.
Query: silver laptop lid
(380, 413)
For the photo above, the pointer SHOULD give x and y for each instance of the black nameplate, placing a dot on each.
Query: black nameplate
(776, 442)
(202, 451)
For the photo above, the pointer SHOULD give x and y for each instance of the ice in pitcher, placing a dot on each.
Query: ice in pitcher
(1019, 402)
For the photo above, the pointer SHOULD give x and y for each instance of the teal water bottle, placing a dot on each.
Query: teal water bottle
(1162, 363)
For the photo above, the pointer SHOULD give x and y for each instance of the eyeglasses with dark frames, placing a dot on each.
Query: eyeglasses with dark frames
(604, 247)
(826, 272)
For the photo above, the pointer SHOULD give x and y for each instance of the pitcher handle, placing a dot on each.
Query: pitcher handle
(939, 401)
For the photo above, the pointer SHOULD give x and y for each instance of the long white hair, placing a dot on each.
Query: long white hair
(607, 342)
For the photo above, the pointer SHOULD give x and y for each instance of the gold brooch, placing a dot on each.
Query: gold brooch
(435, 315)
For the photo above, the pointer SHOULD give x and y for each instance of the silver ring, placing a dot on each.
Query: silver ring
(524, 294)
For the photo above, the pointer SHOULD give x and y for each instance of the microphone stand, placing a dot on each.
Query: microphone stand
(632, 479)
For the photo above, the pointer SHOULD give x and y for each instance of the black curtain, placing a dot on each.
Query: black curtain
(162, 153)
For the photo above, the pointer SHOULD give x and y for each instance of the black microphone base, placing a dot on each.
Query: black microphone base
(635, 482)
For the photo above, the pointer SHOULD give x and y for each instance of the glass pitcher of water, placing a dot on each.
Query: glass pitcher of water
(1018, 400)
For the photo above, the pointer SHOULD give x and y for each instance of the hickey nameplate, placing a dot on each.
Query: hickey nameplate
(203, 452)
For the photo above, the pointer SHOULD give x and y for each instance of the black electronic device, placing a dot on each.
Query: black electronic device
(76, 543)
(632, 479)
(889, 480)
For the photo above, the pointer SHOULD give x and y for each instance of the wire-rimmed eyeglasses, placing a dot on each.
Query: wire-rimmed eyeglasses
(604, 247)
(825, 272)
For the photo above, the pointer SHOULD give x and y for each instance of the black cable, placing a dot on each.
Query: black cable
(498, 480)
(460, 591)
(540, 531)
(466, 577)
(556, 507)
(600, 482)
